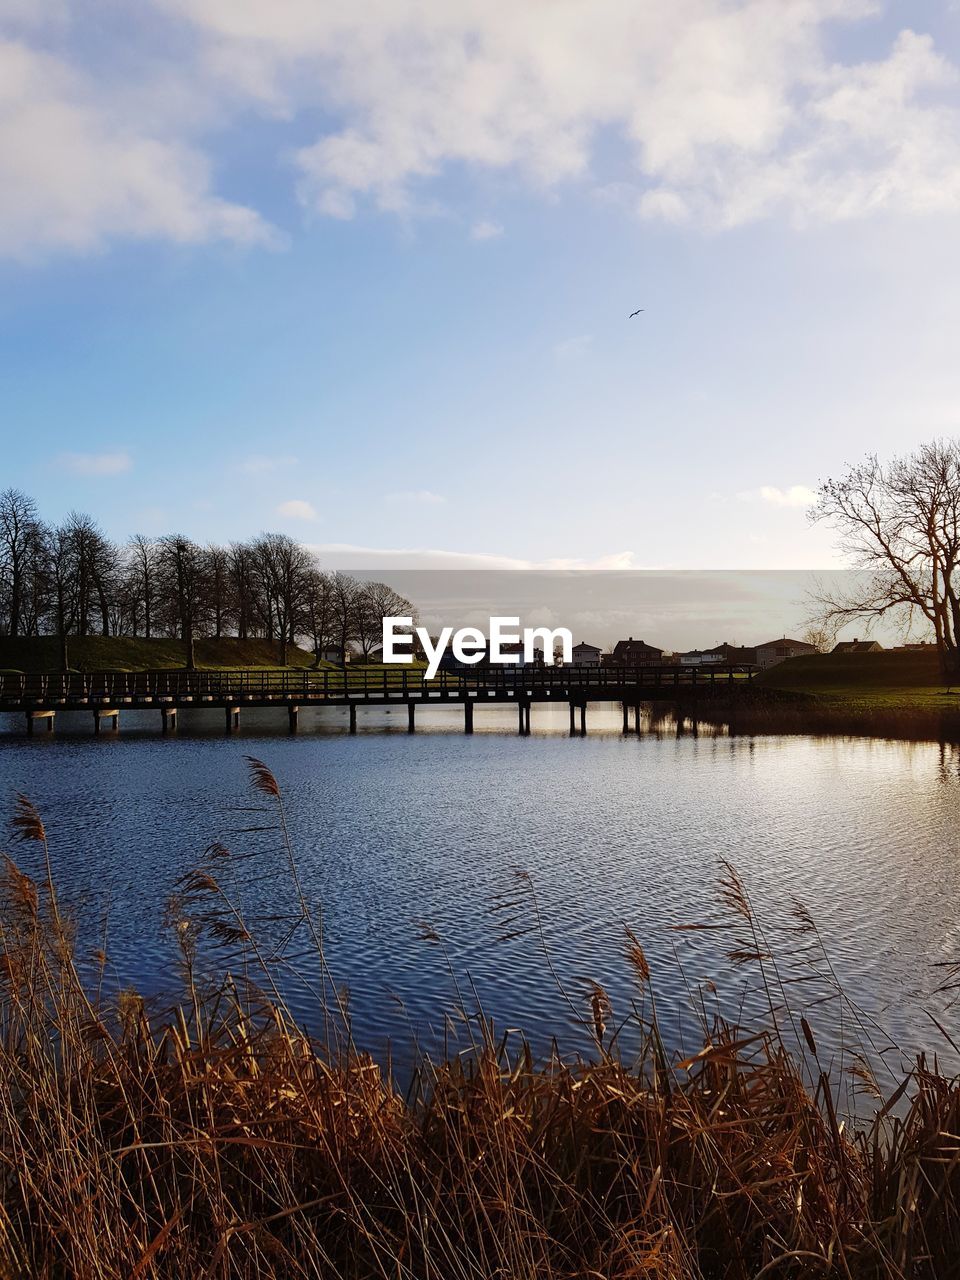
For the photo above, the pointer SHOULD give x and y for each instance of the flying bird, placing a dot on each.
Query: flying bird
(635, 313)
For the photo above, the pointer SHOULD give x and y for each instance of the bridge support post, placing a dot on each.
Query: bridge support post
(33, 716)
(353, 717)
(109, 714)
(468, 717)
(573, 718)
(583, 719)
(169, 715)
(231, 719)
(523, 709)
(293, 714)
(626, 719)
(411, 717)
(636, 718)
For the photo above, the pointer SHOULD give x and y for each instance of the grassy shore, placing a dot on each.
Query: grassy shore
(129, 653)
(889, 695)
(886, 679)
(215, 1139)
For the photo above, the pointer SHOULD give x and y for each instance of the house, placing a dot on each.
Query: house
(700, 657)
(450, 662)
(356, 657)
(727, 655)
(518, 650)
(857, 646)
(736, 655)
(633, 653)
(585, 655)
(768, 655)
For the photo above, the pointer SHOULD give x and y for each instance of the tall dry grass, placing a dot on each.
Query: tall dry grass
(218, 1140)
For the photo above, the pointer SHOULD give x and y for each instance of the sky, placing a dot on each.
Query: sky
(363, 273)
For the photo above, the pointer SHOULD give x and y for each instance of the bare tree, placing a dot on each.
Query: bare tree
(35, 597)
(18, 532)
(374, 602)
(181, 564)
(285, 568)
(144, 562)
(899, 525)
(344, 594)
(318, 611)
(822, 638)
(216, 565)
(96, 566)
(62, 573)
(242, 587)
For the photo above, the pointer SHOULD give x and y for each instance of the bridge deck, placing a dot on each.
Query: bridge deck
(116, 690)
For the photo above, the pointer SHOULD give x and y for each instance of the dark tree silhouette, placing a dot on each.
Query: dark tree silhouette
(899, 525)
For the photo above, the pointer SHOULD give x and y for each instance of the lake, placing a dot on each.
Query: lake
(406, 839)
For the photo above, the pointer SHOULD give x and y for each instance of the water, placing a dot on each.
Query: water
(404, 838)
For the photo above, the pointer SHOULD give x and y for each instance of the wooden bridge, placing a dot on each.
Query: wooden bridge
(40, 697)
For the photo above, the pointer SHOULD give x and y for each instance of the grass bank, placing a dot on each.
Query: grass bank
(129, 653)
(889, 695)
(865, 680)
(215, 1139)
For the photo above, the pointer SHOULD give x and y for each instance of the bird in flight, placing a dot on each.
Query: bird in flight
(635, 313)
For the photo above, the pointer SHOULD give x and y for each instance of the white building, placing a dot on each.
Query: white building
(585, 655)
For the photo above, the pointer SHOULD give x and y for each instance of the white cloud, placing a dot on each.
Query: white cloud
(297, 509)
(75, 171)
(344, 555)
(732, 108)
(573, 348)
(96, 464)
(485, 230)
(797, 495)
(259, 464)
(419, 497)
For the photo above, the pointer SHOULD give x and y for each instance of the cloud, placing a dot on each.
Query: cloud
(484, 230)
(731, 110)
(76, 171)
(573, 348)
(419, 497)
(881, 135)
(96, 464)
(259, 464)
(297, 509)
(798, 495)
(728, 111)
(344, 555)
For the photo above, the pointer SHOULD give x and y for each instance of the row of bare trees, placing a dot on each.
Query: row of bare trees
(71, 580)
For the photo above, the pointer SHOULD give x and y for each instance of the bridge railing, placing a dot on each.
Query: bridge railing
(359, 682)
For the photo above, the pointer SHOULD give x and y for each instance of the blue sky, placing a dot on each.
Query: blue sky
(365, 276)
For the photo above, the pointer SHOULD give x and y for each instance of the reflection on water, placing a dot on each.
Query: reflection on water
(393, 831)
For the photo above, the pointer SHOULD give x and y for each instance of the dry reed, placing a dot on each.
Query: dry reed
(218, 1140)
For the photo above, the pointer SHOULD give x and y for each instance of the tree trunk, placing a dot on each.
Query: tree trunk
(191, 653)
(949, 665)
(15, 606)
